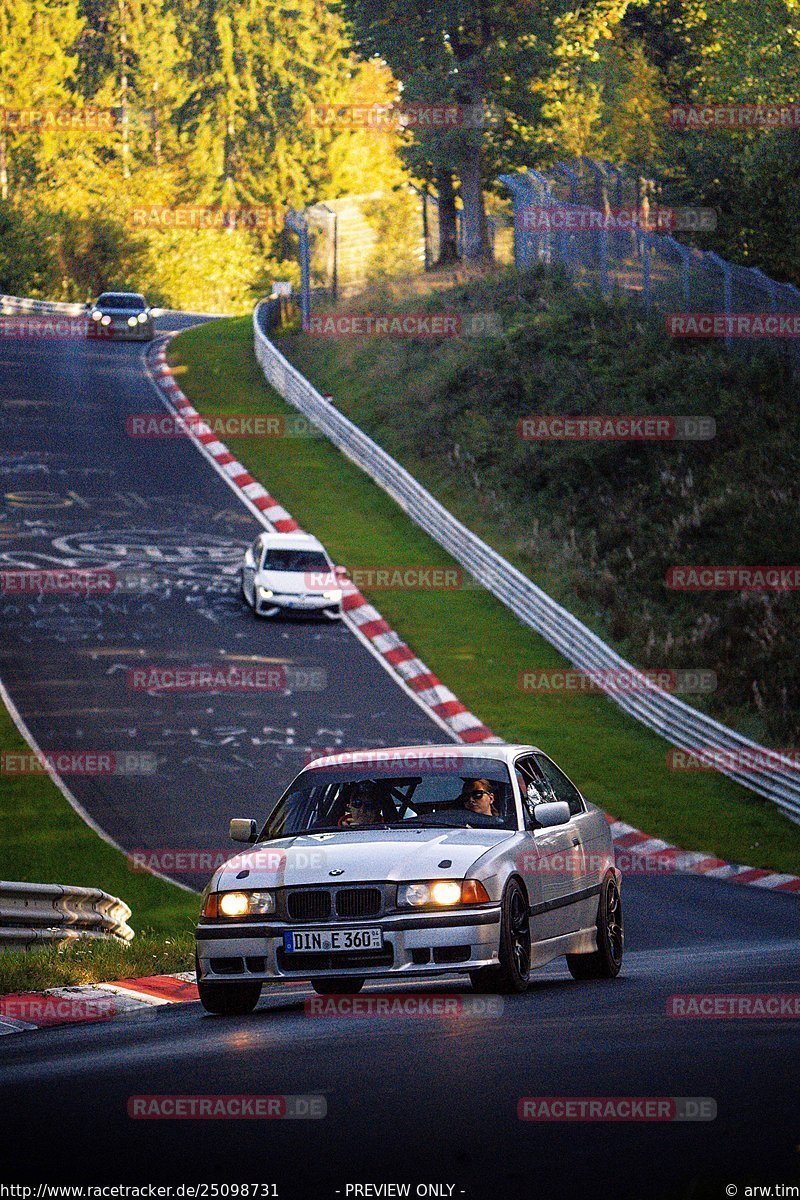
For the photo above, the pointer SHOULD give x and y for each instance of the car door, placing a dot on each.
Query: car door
(586, 859)
(553, 855)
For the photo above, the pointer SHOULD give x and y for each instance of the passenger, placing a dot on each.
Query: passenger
(477, 796)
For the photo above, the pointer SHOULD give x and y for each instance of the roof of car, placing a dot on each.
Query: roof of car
(291, 541)
(385, 755)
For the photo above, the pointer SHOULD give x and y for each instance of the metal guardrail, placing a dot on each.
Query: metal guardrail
(19, 304)
(770, 775)
(35, 913)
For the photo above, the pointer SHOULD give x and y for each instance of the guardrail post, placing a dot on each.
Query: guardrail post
(647, 293)
(727, 293)
(299, 225)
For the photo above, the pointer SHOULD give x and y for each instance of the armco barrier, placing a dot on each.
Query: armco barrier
(682, 725)
(36, 913)
(17, 304)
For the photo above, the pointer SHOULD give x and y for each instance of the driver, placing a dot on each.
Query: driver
(477, 796)
(363, 808)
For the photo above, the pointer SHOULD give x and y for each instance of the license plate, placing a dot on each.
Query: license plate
(305, 940)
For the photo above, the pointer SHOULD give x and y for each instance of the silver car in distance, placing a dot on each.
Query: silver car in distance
(291, 573)
(413, 862)
(125, 316)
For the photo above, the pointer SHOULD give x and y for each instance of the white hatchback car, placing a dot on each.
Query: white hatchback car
(291, 573)
(414, 862)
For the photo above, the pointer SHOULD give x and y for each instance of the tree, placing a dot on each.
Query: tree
(492, 57)
(37, 70)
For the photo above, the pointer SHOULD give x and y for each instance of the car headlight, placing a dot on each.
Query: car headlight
(142, 317)
(96, 314)
(441, 893)
(239, 904)
(131, 320)
(335, 595)
(265, 593)
(105, 320)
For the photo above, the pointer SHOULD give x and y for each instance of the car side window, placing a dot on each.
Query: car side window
(534, 787)
(561, 786)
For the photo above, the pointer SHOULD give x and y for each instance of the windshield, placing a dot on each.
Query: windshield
(294, 560)
(120, 300)
(475, 793)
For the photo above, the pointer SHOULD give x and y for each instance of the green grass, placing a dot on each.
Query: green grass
(95, 962)
(467, 637)
(45, 841)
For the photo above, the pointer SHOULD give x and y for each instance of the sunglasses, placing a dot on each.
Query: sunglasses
(477, 795)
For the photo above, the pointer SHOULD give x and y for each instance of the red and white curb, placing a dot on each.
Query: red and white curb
(639, 853)
(446, 709)
(22, 1011)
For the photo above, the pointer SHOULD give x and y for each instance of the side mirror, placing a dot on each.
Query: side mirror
(553, 813)
(341, 573)
(242, 830)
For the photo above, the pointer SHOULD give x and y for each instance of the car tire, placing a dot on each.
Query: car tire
(228, 999)
(606, 961)
(511, 976)
(337, 987)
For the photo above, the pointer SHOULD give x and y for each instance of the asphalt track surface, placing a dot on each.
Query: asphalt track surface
(79, 492)
(410, 1101)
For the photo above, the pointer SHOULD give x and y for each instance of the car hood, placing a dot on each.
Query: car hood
(120, 312)
(359, 856)
(294, 583)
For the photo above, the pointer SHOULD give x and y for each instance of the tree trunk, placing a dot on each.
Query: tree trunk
(475, 244)
(448, 227)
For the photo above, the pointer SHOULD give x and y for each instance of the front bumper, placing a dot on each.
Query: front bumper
(418, 944)
(126, 333)
(301, 604)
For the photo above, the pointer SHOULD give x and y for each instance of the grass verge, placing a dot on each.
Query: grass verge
(45, 841)
(95, 962)
(475, 645)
